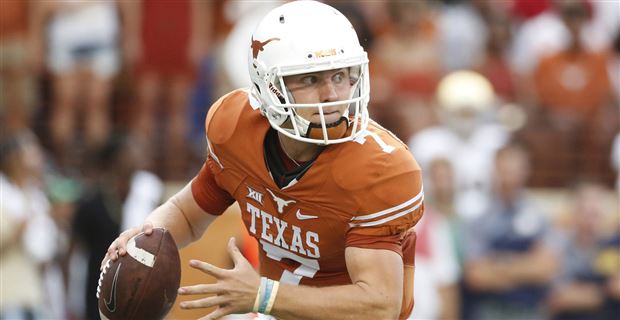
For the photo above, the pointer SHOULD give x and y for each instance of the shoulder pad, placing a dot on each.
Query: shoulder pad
(364, 162)
(223, 116)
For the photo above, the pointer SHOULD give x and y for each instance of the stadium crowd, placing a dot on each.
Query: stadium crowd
(512, 109)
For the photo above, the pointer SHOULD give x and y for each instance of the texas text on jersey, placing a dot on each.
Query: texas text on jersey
(364, 193)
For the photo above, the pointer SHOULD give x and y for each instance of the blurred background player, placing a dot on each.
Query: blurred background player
(468, 136)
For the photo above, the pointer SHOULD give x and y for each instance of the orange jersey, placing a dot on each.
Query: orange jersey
(364, 193)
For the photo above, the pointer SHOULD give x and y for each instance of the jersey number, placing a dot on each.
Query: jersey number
(307, 267)
(384, 146)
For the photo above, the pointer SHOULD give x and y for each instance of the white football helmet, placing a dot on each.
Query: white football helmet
(302, 37)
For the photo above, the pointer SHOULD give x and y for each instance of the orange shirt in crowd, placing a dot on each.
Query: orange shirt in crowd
(573, 81)
(13, 18)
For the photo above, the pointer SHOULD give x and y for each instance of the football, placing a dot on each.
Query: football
(143, 284)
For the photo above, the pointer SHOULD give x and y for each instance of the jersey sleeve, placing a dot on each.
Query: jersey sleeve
(209, 191)
(208, 194)
(388, 209)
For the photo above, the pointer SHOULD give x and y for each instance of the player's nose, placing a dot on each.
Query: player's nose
(327, 91)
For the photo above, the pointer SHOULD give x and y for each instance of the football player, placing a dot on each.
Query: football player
(330, 195)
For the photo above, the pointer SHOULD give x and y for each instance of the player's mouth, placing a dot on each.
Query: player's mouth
(330, 117)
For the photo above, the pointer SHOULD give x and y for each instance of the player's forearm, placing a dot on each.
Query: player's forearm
(170, 217)
(182, 217)
(356, 301)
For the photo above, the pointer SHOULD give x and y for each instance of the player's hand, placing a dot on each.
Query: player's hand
(119, 245)
(234, 290)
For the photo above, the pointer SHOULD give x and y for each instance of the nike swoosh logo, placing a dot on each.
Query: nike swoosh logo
(302, 216)
(111, 305)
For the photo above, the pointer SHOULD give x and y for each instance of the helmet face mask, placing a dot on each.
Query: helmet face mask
(300, 38)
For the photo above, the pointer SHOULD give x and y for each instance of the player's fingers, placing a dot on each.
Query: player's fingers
(112, 247)
(201, 289)
(234, 252)
(121, 248)
(207, 268)
(120, 245)
(147, 228)
(218, 313)
(204, 302)
(123, 238)
(113, 250)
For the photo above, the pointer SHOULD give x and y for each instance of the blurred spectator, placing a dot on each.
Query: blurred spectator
(494, 62)
(578, 292)
(77, 42)
(437, 270)
(169, 41)
(441, 185)
(122, 196)
(509, 253)
(462, 30)
(468, 136)
(17, 95)
(406, 68)
(62, 194)
(544, 34)
(28, 234)
(573, 83)
(408, 55)
(574, 112)
(437, 264)
(607, 267)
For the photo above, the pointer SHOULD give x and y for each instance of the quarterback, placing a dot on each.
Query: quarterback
(330, 195)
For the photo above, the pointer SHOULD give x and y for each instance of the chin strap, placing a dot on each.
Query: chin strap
(335, 130)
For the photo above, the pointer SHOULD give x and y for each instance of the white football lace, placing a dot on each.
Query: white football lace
(103, 271)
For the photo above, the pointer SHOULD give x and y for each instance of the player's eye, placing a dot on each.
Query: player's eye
(338, 77)
(309, 80)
